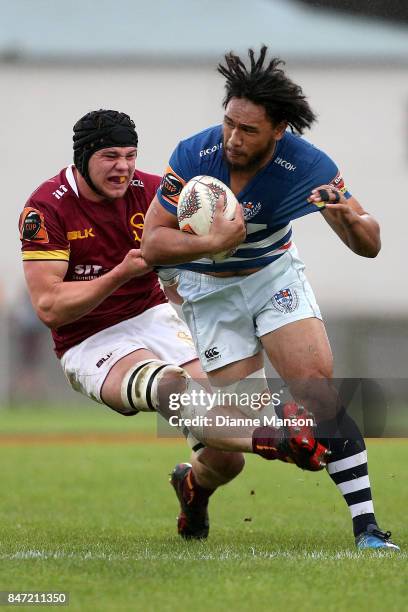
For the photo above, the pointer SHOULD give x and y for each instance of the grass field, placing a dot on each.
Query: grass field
(93, 514)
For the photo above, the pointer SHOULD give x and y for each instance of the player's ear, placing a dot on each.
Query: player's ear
(280, 129)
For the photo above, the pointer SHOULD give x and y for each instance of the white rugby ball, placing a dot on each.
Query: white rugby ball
(196, 207)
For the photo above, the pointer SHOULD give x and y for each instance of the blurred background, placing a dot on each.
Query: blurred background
(157, 62)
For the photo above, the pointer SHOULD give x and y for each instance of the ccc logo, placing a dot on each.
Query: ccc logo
(211, 353)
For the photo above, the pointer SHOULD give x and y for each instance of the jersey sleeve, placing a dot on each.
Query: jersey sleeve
(42, 233)
(322, 171)
(326, 172)
(179, 171)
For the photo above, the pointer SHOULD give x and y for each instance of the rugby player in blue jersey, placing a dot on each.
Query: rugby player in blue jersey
(259, 298)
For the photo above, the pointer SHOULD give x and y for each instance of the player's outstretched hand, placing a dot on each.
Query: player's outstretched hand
(134, 265)
(226, 234)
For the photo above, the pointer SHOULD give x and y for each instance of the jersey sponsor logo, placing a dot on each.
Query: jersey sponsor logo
(58, 193)
(171, 186)
(338, 183)
(250, 209)
(286, 300)
(285, 164)
(81, 234)
(212, 353)
(87, 272)
(32, 226)
(137, 183)
(137, 221)
(211, 150)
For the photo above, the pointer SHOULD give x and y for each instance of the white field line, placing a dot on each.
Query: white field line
(226, 555)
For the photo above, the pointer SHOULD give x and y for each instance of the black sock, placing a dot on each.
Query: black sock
(348, 467)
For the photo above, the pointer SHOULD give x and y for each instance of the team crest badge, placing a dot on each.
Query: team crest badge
(286, 300)
(250, 209)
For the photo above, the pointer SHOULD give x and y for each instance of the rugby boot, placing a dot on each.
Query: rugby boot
(292, 443)
(373, 538)
(192, 521)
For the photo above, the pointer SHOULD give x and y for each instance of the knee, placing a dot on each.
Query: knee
(317, 371)
(225, 465)
(316, 391)
(232, 464)
(313, 381)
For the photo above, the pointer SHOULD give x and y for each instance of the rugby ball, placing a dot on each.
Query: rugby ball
(196, 207)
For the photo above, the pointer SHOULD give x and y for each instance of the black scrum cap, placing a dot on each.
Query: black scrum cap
(98, 130)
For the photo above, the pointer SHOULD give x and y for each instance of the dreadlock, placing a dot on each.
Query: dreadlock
(267, 86)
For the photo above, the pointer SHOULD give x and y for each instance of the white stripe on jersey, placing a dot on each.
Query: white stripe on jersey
(271, 241)
(268, 241)
(69, 173)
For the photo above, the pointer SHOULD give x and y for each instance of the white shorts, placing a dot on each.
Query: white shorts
(228, 316)
(159, 330)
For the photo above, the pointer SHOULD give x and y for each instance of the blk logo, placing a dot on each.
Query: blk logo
(81, 234)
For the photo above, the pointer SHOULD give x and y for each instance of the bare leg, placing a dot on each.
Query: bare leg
(300, 352)
(213, 468)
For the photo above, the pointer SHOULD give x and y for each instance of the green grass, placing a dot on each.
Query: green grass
(98, 521)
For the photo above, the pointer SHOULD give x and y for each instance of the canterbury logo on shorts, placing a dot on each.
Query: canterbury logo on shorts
(212, 353)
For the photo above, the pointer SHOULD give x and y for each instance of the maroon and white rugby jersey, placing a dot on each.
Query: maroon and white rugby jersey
(57, 224)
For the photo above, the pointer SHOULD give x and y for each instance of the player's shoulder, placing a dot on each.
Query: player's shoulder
(299, 147)
(145, 180)
(142, 188)
(298, 152)
(203, 143)
(52, 192)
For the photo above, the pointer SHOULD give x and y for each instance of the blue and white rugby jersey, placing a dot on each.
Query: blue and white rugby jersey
(275, 196)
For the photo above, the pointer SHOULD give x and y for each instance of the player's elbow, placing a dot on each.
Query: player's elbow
(375, 245)
(46, 314)
(374, 248)
(370, 244)
(48, 319)
(374, 252)
(149, 251)
(369, 251)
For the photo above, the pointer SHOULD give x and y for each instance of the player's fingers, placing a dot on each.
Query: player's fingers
(219, 206)
(325, 193)
(239, 213)
(135, 252)
(340, 206)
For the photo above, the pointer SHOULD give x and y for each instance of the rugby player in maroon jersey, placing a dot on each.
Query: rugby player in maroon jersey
(119, 341)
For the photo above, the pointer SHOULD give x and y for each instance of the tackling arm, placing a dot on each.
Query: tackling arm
(354, 226)
(164, 243)
(58, 303)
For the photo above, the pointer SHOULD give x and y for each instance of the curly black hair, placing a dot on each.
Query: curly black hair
(267, 85)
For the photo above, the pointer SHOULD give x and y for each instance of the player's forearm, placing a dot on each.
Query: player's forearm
(362, 236)
(166, 245)
(358, 230)
(66, 302)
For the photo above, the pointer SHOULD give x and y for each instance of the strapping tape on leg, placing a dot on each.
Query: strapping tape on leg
(140, 386)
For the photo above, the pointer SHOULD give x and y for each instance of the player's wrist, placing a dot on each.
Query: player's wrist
(120, 274)
(214, 244)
